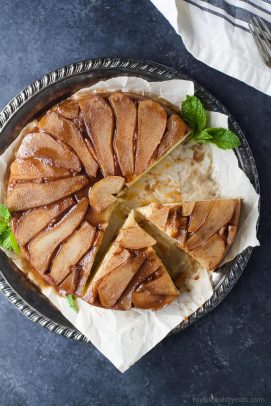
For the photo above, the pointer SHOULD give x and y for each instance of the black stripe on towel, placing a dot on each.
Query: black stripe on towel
(217, 14)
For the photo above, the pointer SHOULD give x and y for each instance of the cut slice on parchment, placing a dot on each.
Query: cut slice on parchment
(204, 229)
(131, 274)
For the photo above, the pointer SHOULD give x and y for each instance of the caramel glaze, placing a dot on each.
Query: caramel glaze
(69, 109)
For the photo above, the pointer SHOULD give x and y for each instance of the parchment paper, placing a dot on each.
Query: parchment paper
(124, 337)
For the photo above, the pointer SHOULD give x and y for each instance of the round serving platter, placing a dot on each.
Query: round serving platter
(49, 90)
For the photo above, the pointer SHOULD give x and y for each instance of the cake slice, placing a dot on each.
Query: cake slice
(131, 274)
(204, 229)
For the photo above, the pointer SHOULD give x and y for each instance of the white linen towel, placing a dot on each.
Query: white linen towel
(216, 32)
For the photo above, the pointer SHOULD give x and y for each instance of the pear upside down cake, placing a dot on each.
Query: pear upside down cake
(64, 183)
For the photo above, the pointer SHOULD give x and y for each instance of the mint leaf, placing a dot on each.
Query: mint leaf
(194, 114)
(221, 137)
(13, 243)
(7, 238)
(203, 137)
(3, 226)
(4, 213)
(72, 302)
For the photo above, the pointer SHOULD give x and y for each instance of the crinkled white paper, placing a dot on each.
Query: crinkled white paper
(124, 337)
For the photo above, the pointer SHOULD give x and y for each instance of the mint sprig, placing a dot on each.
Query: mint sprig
(194, 114)
(72, 302)
(7, 237)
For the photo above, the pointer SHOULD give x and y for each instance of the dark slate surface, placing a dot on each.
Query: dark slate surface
(225, 354)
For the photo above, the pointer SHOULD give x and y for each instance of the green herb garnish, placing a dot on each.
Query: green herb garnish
(72, 302)
(7, 237)
(194, 114)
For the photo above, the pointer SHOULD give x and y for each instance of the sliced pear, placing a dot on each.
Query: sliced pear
(210, 254)
(199, 214)
(157, 214)
(126, 117)
(101, 195)
(35, 220)
(113, 284)
(187, 208)
(150, 301)
(146, 270)
(69, 284)
(36, 168)
(220, 214)
(113, 259)
(85, 266)
(152, 119)
(72, 251)
(99, 121)
(68, 132)
(135, 238)
(176, 130)
(43, 246)
(160, 284)
(42, 145)
(23, 196)
(68, 109)
(155, 293)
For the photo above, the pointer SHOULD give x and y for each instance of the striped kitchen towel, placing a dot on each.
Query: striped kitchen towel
(216, 32)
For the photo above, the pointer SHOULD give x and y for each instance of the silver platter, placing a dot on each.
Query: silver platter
(41, 95)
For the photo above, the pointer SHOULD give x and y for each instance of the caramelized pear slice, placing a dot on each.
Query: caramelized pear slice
(126, 115)
(160, 284)
(35, 220)
(36, 168)
(187, 208)
(152, 119)
(69, 109)
(135, 238)
(101, 195)
(156, 213)
(70, 283)
(156, 293)
(67, 131)
(220, 214)
(176, 130)
(211, 253)
(43, 246)
(199, 214)
(85, 266)
(71, 252)
(23, 196)
(146, 270)
(114, 283)
(42, 145)
(150, 301)
(111, 261)
(99, 120)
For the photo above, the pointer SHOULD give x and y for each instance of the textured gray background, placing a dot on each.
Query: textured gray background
(227, 353)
